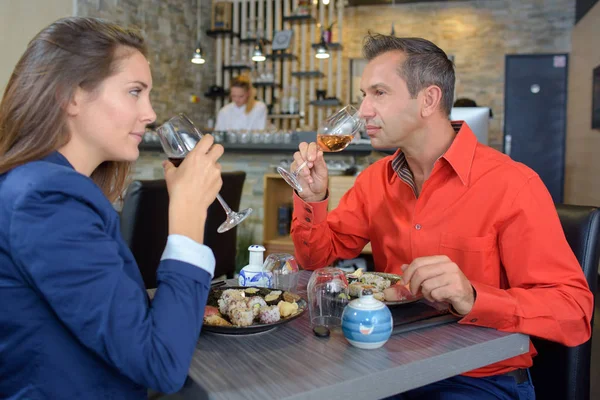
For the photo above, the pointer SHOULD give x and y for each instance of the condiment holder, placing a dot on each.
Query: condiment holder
(254, 273)
(366, 322)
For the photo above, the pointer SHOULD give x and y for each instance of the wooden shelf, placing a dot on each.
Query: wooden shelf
(330, 46)
(298, 18)
(221, 33)
(308, 74)
(325, 103)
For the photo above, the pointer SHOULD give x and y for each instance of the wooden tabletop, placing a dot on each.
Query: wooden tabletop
(292, 363)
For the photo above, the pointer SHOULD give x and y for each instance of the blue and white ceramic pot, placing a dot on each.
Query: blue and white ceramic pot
(366, 322)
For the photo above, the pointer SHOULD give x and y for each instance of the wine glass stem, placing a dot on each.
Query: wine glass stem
(224, 205)
(300, 167)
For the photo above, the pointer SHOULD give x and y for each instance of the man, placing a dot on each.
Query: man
(462, 222)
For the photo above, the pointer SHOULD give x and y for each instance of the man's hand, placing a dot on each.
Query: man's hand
(313, 176)
(439, 279)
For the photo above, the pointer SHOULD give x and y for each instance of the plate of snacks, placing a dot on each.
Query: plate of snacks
(241, 310)
(388, 288)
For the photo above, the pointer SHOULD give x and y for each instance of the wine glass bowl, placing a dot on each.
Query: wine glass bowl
(334, 134)
(178, 136)
(284, 270)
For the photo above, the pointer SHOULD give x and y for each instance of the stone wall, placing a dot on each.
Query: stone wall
(170, 29)
(477, 33)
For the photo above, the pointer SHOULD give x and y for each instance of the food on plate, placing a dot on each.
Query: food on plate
(216, 320)
(210, 310)
(290, 297)
(255, 303)
(397, 292)
(239, 308)
(269, 314)
(385, 287)
(241, 316)
(252, 290)
(286, 309)
(273, 297)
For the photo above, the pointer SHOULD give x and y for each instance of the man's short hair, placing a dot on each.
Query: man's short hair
(425, 64)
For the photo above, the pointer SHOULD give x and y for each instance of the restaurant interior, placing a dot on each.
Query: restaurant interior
(527, 73)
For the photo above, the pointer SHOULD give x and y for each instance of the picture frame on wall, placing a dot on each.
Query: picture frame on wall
(282, 40)
(596, 98)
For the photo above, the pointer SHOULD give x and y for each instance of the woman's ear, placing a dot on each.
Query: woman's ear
(74, 102)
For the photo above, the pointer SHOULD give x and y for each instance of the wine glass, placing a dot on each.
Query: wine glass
(178, 136)
(284, 270)
(327, 292)
(334, 134)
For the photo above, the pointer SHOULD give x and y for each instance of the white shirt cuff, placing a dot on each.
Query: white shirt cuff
(184, 249)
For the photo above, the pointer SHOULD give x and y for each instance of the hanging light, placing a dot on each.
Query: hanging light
(197, 57)
(322, 52)
(257, 53)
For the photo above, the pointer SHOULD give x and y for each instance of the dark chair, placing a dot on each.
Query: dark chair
(561, 372)
(145, 224)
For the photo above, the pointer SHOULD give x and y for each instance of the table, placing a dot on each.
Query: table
(291, 363)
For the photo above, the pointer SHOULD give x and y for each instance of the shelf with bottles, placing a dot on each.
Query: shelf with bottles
(308, 74)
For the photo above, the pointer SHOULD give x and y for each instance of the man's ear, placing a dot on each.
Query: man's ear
(431, 98)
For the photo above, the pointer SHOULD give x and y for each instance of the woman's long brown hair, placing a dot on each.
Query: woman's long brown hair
(244, 82)
(70, 53)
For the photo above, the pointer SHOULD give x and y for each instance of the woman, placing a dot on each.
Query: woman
(75, 317)
(244, 111)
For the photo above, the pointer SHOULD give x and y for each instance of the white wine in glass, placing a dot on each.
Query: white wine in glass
(334, 134)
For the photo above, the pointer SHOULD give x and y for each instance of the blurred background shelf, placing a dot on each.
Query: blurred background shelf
(326, 102)
(308, 74)
(298, 19)
(330, 46)
(281, 56)
(221, 33)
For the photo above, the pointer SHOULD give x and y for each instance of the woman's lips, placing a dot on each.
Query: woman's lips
(138, 135)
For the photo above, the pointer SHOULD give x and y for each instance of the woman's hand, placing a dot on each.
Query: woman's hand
(313, 176)
(193, 186)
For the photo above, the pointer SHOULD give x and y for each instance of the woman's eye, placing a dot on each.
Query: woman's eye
(135, 92)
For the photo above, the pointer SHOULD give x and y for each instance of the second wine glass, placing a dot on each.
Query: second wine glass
(334, 134)
(178, 136)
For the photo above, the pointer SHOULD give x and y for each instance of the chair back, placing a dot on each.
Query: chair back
(561, 372)
(145, 224)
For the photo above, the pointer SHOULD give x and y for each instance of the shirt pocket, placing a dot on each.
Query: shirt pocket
(473, 254)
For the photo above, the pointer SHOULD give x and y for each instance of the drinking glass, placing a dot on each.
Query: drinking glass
(284, 271)
(334, 134)
(178, 136)
(327, 292)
